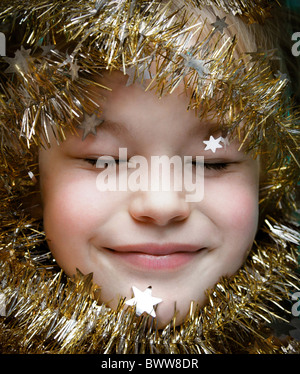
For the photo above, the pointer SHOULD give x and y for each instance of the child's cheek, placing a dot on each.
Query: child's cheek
(75, 197)
(233, 205)
(72, 211)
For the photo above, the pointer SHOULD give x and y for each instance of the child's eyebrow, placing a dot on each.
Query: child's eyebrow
(107, 126)
(205, 130)
(114, 128)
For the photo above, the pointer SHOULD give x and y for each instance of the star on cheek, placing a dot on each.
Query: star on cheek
(89, 124)
(143, 301)
(213, 144)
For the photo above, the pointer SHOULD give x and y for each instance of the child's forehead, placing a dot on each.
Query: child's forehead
(199, 128)
(118, 134)
(118, 99)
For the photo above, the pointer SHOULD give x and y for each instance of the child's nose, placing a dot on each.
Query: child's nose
(159, 207)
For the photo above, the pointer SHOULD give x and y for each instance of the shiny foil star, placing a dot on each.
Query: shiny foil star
(220, 24)
(47, 49)
(213, 144)
(199, 66)
(74, 70)
(19, 63)
(140, 75)
(143, 301)
(89, 124)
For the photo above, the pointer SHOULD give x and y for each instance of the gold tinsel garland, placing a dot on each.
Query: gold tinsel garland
(44, 87)
(48, 313)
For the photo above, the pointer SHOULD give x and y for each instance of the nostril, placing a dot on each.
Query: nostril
(159, 208)
(179, 218)
(160, 221)
(145, 219)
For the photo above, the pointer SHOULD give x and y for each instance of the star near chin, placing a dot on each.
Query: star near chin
(143, 301)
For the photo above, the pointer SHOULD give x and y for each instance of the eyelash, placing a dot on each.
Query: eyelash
(216, 166)
(91, 161)
(219, 166)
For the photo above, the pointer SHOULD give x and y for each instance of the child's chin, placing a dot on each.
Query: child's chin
(166, 314)
(169, 313)
(175, 307)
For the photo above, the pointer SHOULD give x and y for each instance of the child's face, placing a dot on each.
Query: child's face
(149, 238)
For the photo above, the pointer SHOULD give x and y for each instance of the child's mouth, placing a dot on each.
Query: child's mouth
(153, 257)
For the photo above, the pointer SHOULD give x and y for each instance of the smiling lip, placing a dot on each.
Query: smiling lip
(151, 256)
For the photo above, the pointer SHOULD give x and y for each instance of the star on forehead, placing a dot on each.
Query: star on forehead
(212, 144)
(220, 24)
(143, 301)
(89, 124)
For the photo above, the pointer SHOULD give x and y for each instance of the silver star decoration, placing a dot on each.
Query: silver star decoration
(19, 63)
(198, 65)
(213, 144)
(89, 124)
(139, 75)
(219, 25)
(47, 49)
(74, 70)
(143, 301)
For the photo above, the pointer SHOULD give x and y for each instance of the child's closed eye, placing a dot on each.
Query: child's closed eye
(92, 161)
(216, 166)
(105, 162)
(207, 165)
